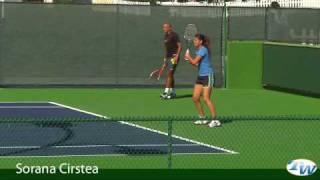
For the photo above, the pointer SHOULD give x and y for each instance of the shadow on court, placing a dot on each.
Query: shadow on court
(183, 96)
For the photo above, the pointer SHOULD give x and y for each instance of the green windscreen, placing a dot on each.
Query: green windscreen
(294, 67)
(244, 65)
(59, 44)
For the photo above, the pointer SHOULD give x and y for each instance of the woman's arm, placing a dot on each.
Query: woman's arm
(194, 61)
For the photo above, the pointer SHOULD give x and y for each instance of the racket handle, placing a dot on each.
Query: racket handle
(160, 73)
(187, 52)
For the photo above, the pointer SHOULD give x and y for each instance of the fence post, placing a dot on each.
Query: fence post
(225, 32)
(318, 30)
(169, 143)
(117, 45)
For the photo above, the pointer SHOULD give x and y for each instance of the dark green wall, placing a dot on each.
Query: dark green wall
(293, 67)
(244, 64)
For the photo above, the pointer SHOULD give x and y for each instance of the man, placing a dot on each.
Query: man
(173, 49)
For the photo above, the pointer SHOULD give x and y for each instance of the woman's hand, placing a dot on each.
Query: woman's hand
(187, 56)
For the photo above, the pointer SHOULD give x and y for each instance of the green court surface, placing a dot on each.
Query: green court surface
(259, 143)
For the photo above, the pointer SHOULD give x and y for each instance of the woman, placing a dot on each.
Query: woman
(205, 80)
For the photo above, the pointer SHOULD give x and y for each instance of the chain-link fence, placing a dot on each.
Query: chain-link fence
(160, 142)
(274, 24)
(119, 45)
(58, 44)
(293, 25)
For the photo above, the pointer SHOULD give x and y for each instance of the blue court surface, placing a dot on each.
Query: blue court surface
(84, 138)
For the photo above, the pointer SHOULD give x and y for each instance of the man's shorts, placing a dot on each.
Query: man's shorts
(171, 64)
(206, 81)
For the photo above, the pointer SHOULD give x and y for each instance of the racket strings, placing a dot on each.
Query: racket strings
(190, 31)
(156, 74)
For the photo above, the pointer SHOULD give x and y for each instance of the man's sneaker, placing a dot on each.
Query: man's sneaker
(200, 122)
(164, 95)
(214, 123)
(168, 96)
(171, 96)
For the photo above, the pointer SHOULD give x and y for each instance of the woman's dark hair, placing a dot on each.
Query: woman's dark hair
(205, 41)
(275, 4)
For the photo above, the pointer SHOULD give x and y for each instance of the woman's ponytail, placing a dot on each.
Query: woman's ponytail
(205, 41)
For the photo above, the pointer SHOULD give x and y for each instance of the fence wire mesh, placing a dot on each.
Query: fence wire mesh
(58, 44)
(160, 142)
(54, 44)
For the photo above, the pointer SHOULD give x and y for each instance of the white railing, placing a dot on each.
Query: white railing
(282, 3)
(237, 3)
(119, 2)
(173, 3)
(252, 3)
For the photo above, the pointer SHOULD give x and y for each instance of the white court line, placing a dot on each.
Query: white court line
(103, 155)
(24, 102)
(30, 107)
(101, 145)
(149, 129)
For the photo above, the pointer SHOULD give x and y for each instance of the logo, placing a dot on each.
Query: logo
(301, 167)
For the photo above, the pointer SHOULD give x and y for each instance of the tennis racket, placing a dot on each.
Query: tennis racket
(189, 32)
(156, 74)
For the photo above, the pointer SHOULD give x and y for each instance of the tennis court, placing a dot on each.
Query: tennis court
(76, 87)
(86, 138)
(258, 143)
